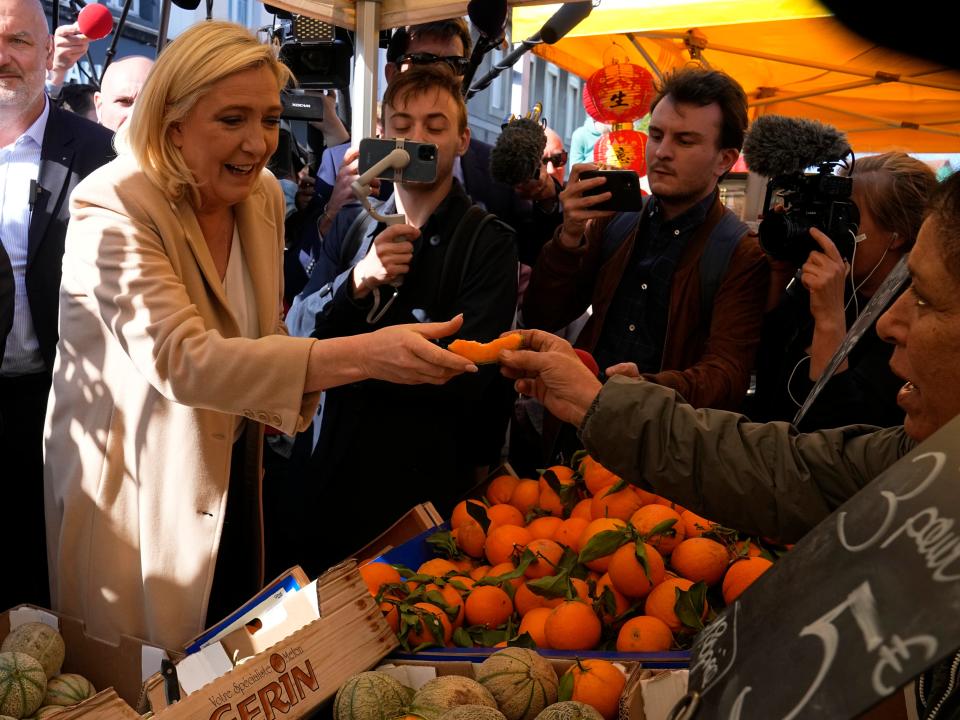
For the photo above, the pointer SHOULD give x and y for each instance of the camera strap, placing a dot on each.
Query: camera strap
(878, 303)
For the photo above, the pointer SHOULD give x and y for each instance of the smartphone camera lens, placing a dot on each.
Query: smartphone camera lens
(427, 152)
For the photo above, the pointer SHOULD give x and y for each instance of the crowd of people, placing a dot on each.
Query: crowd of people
(169, 291)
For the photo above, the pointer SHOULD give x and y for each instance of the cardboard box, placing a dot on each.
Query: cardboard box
(290, 678)
(413, 523)
(116, 670)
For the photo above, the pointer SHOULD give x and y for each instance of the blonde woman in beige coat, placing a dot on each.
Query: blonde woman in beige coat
(172, 353)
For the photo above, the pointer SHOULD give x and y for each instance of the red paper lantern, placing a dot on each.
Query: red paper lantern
(622, 149)
(618, 93)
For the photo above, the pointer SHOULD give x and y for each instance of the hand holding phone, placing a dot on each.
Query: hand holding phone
(623, 186)
(579, 207)
(387, 261)
(423, 159)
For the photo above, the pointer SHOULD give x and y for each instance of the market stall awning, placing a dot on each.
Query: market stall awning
(393, 13)
(791, 56)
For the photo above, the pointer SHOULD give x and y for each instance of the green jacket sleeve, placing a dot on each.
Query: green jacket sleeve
(762, 479)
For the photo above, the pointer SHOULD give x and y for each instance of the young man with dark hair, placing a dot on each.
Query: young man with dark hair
(382, 442)
(678, 289)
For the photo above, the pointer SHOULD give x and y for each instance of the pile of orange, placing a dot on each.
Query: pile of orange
(574, 560)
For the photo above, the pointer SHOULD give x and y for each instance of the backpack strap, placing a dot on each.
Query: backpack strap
(717, 252)
(459, 253)
(619, 229)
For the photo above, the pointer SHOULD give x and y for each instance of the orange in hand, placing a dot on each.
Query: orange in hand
(481, 353)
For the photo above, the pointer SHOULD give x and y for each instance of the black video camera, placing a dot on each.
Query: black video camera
(796, 202)
(318, 54)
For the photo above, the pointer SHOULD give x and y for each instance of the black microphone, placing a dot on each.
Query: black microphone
(518, 153)
(489, 17)
(559, 24)
(187, 4)
(564, 20)
(778, 145)
(34, 193)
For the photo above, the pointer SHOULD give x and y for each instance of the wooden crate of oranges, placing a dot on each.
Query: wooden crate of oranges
(575, 560)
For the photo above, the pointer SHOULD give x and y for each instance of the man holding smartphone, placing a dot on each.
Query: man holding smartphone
(678, 289)
(381, 447)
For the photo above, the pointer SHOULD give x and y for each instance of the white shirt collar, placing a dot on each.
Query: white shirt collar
(36, 131)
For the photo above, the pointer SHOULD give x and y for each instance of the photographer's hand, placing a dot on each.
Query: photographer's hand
(388, 259)
(824, 274)
(342, 193)
(577, 207)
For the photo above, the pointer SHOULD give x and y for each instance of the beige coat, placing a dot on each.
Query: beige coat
(151, 373)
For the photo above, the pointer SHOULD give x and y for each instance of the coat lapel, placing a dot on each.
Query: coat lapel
(257, 239)
(201, 253)
(56, 159)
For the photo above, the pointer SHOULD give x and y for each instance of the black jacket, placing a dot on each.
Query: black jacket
(386, 447)
(73, 147)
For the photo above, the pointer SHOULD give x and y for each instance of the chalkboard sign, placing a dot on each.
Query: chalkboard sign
(867, 601)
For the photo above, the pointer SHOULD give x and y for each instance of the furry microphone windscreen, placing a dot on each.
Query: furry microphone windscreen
(518, 153)
(778, 145)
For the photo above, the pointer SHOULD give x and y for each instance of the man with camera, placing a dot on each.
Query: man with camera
(383, 441)
(678, 289)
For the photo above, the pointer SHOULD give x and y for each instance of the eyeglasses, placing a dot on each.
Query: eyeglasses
(456, 63)
(558, 159)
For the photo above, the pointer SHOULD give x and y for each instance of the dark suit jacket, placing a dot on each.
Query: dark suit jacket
(533, 227)
(73, 147)
(480, 185)
(6, 299)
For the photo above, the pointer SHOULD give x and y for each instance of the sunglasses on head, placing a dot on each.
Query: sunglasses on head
(456, 63)
(558, 159)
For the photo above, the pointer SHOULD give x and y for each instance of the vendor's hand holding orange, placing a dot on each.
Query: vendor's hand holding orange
(553, 373)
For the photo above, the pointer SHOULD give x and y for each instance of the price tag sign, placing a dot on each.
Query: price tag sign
(863, 604)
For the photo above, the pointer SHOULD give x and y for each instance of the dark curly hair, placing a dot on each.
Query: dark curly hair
(702, 87)
(944, 211)
(521, 140)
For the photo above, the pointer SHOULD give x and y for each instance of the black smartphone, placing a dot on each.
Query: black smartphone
(625, 186)
(423, 159)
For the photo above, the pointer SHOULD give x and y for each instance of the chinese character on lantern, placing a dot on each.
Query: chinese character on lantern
(617, 94)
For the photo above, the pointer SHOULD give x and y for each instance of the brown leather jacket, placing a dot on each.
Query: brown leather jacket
(709, 365)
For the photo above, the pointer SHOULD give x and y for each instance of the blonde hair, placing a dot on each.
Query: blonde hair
(185, 71)
(895, 187)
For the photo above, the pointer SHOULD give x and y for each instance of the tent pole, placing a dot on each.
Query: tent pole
(774, 99)
(163, 26)
(646, 56)
(363, 90)
(846, 69)
(904, 125)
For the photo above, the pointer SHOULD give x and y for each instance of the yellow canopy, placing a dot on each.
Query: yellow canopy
(791, 57)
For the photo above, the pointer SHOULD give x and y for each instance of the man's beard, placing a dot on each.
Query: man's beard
(17, 93)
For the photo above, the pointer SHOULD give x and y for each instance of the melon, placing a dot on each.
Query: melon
(39, 641)
(371, 696)
(570, 710)
(442, 693)
(521, 681)
(68, 689)
(22, 684)
(473, 712)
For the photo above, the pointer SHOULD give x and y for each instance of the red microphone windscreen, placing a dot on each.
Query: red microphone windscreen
(587, 359)
(95, 21)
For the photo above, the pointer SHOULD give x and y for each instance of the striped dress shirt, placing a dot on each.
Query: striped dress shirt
(19, 165)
